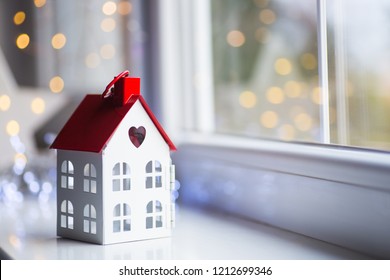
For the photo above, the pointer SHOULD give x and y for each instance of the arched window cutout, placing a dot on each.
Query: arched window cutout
(154, 175)
(121, 177)
(67, 214)
(67, 175)
(154, 215)
(90, 180)
(90, 219)
(121, 221)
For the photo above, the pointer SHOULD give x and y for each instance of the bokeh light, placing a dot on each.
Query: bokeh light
(283, 66)
(109, 8)
(108, 24)
(267, 16)
(12, 128)
(38, 105)
(247, 99)
(56, 84)
(58, 41)
(235, 38)
(293, 89)
(275, 95)
(309, 61)
(303, 122)
(269, 119)
(316, 95)
(124, 8)
(22, 41)
(39, 3)
(5, 102)
(19, 17)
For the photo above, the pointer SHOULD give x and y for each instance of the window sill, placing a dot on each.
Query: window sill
(212, 235)
(339, 195)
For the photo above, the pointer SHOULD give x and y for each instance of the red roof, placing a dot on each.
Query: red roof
(94, 122)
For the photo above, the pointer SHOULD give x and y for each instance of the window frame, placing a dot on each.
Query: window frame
(154, 175)
(90, 178)
(67, 175)
(123, 218)
(188, 117)
(154, 216)
(67, 214)
(89, 219)
(122, 178)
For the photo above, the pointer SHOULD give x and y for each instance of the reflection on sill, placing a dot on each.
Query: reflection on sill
(198, 234)
(153, 249)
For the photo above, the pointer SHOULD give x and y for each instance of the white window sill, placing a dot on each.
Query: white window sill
(198, 235)
(337, 195)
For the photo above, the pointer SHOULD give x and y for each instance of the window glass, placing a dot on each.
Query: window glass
(266, 68)
(266, 61)
(359, 52)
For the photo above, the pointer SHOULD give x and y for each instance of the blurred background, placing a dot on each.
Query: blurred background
(258, 69)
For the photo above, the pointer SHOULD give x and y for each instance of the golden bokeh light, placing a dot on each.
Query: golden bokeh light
(38, 105)
(309, 61)
(247, 99)
(269, 119)
(92, 60)
(56, 84)
(316, 95)
(19, 17)
(286, 132)
(303, 122)
(39, 3)
(107, 51)
(23, 41)
(109, 8)
(235, 38)
(283, 66)
(275, 95)
(124, 8)
(12, 128)
(58, 41)
(267, 16)
(5, 102)
(108, 24)
(293, 89)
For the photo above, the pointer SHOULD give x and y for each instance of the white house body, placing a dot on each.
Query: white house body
(118, 190)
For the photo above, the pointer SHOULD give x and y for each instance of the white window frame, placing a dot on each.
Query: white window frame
(67, 175)
(90, 219)
(90, 178)
(352, 185)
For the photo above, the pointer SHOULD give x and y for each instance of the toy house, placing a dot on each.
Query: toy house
(114, 171)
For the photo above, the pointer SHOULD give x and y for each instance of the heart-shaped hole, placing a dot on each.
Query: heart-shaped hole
(137, 135)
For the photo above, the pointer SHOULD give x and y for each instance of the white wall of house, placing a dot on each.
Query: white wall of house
(79, 196)
(120, 149)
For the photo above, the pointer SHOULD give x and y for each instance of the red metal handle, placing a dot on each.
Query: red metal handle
(107, 93)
